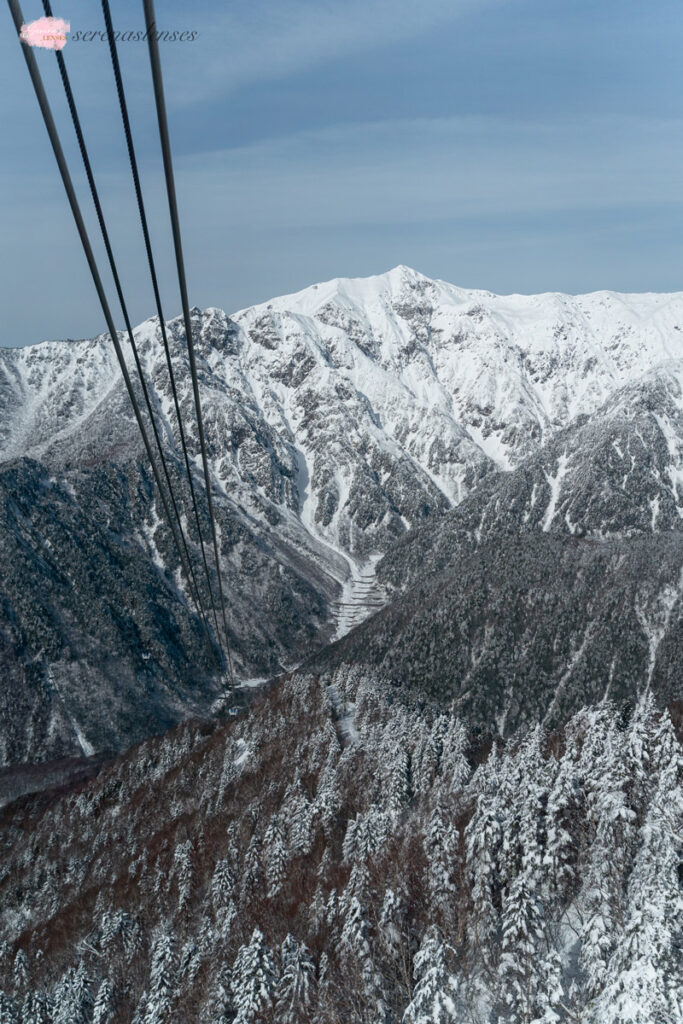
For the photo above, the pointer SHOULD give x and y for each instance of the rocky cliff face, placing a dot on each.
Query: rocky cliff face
(552, 585)
(393, 416)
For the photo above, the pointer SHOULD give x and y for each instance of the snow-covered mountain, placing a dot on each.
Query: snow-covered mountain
(340, 420)
(412, 373)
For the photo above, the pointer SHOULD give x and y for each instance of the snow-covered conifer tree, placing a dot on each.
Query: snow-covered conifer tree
(35, 1009)
(643, 980)
(220, 1009)
(21, 973)
(253, 980)
(352, 838)
(162, 979)
(222, 885)
(73, 997)
(275, 856)
(189, 962)
(434, 995)
(317, 912)
(530, 978)
(441, 846)
(295, 993)
(560, 846)
(328, 800)
(356, 954)
(357, 888)
(613, 821)
(454, 767)
(182, 867)
(483, 838)
(298, 812)
(102, 1010)
(398, 782)
(425, 764)
(395, 942)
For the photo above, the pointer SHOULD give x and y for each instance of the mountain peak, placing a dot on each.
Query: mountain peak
(339, 419)
(405, 273)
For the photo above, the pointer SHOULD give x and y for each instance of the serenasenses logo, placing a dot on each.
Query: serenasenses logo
(136, 36)
(48, 33)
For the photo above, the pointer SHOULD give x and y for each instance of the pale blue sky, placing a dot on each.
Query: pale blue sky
(514, 145)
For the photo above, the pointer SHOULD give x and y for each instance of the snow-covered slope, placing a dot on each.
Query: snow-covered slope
(413, 374)
(505, 369)
(339, 419)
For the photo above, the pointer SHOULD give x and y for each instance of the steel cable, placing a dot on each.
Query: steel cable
(150, 25)
(155, 285)
(124, 309)
(37, 82)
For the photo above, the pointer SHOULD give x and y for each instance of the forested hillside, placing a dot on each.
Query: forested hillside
(347, 852)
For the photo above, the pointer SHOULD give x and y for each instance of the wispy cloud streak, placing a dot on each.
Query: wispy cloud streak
(421, 170)
(259, 41)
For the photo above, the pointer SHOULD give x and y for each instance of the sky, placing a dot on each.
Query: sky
(511, 145)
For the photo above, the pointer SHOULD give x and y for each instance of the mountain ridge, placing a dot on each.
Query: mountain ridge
(340, 420)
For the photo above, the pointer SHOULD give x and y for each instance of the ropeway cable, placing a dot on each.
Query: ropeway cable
(124, 309)
(36, 79)
(150, 25)
(155, 285)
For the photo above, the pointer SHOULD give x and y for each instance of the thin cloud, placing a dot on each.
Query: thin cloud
(260, 41)
(421, 170)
